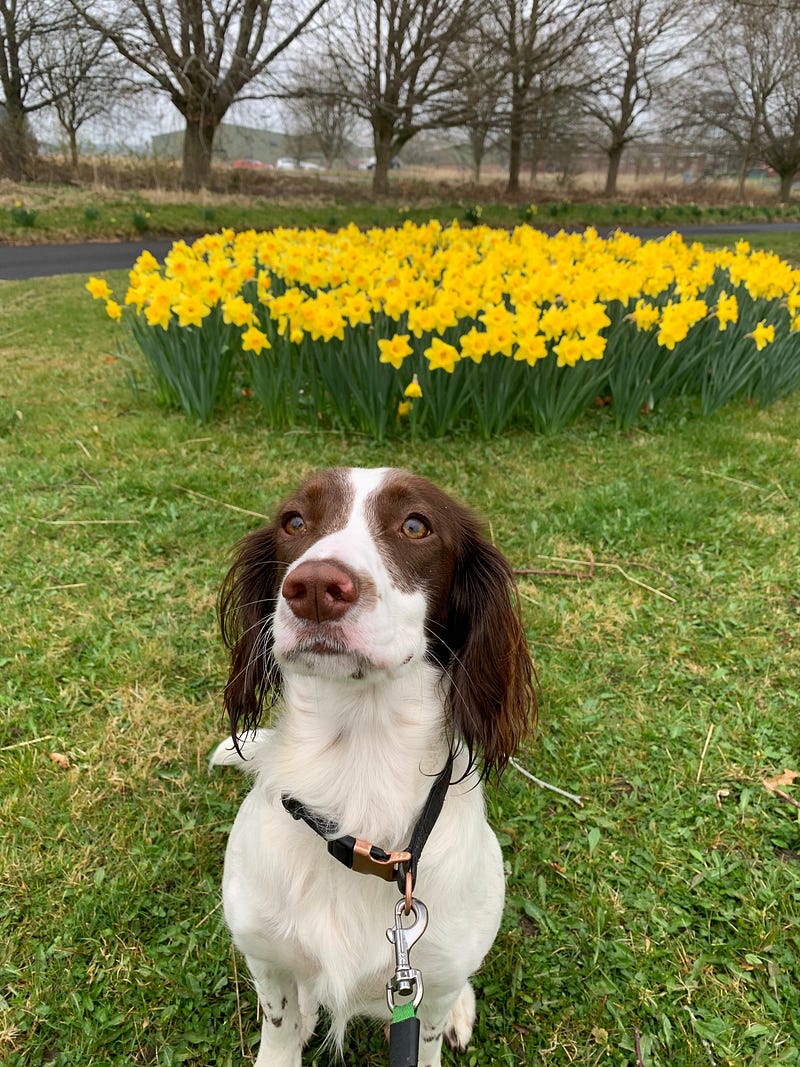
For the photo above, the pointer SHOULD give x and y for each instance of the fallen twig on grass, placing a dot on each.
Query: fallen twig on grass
(222, 503)
(87, 522)
(785, 796)
(778, 490)
(703, 753)
(560, 573)
(23, 744)
(637, 1044)
(525, 571)
(546, 785)
(592, 563)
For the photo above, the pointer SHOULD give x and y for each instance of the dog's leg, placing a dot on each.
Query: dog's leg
(288, 1017)
(451, 1021)
(461, 1020)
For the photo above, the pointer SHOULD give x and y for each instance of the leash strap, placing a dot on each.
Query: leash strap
(404, 1037)
(366, 858)
(425, 823)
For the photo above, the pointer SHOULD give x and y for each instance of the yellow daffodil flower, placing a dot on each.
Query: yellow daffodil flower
(441, 356)
(763, 335)
(413, 390)
(394, 350)
(190, 310)
(99, 288)
(253, 340)
(727, 310)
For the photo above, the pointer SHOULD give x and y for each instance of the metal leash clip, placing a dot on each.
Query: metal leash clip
(406, 981)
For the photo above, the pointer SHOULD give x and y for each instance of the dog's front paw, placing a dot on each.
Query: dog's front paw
(458, 1030)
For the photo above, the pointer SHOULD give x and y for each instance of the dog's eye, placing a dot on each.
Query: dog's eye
(415, 528)
(294, 524)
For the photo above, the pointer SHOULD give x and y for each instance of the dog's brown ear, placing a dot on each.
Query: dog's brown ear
(492, 694)
(246, 607)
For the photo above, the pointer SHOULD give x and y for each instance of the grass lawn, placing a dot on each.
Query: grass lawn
(40, 212)
(657, 924)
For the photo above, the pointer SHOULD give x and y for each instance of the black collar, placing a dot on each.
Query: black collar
(359, 855)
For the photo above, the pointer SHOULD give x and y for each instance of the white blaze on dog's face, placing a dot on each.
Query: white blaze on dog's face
(364, 551)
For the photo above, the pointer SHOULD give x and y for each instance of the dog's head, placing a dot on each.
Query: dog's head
(365, 573)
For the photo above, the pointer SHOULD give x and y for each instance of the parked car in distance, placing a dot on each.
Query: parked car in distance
(369, 164)
(251, 164)
(296, 164)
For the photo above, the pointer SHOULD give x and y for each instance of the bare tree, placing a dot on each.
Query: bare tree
(25, 26)
(754, 57)
(82, 75)
(202, 53)
(636, 52)
(389, 58)
(536, 39)
(320, 112)
(480, 90)
(558, 129)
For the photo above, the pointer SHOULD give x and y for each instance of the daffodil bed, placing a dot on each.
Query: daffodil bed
(431, 327)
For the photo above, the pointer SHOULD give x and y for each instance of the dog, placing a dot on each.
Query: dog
(387, 628)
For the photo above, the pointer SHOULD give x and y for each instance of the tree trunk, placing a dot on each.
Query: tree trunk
(14, 145)
(198, 144)
(614, 158)
(514, 150)
(73, 147)
(785, 194)
(478, 145)
(382, 141)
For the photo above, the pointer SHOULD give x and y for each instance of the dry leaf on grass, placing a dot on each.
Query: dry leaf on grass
(774, 784)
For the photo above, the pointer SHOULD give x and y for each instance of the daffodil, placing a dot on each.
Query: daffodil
(413, 390)
(99, 288)
(644, 315)
(238, 312)
(113, 310)
(394, 350)
(727, 310)
(763, 335)
(190, 311)
(441, 356)
(254, 340)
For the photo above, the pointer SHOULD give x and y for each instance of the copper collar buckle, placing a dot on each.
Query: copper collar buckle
(370, 859)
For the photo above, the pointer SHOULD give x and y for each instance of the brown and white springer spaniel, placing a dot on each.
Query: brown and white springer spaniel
(387, 628)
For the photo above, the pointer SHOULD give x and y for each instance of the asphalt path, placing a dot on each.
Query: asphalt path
(43, 261)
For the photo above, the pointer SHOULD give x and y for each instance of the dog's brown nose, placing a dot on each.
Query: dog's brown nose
(320, 591)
